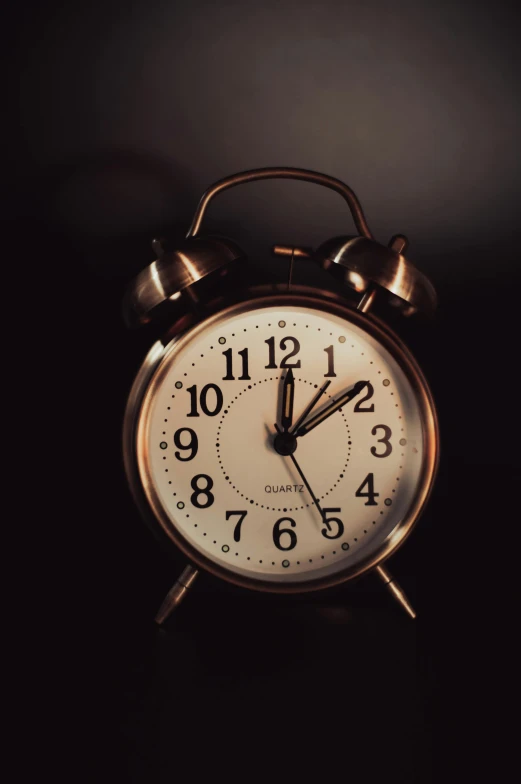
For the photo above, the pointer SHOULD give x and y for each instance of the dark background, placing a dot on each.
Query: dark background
(123, 115)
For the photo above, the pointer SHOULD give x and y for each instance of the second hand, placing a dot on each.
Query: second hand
(310, 491)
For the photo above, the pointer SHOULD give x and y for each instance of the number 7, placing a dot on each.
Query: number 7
(237, 531)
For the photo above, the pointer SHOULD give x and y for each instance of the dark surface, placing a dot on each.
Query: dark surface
(123, 117)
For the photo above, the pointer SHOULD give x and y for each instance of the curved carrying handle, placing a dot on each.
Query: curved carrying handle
(282, 173)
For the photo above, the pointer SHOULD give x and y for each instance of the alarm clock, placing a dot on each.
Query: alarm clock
(281, 436)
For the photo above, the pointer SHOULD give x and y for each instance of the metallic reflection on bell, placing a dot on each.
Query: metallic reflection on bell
(360, 262)
(175, 276)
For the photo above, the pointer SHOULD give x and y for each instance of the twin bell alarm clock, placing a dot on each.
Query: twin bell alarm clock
(282, 437)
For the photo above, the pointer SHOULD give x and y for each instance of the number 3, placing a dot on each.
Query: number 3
(384, 440)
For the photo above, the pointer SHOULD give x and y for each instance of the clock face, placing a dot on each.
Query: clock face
(285, 443)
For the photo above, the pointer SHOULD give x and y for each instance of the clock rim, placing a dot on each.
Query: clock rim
(135, 451)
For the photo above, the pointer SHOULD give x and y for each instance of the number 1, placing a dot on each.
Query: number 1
(330, 362)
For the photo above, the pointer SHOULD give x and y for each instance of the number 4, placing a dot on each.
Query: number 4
(370, 494)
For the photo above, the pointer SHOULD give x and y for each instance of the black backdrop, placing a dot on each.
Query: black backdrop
(124, 113)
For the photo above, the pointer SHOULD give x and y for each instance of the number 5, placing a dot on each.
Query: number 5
(327, 531)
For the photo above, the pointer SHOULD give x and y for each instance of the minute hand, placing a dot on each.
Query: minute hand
(333, 406)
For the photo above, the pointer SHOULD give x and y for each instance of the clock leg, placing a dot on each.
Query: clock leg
(394, 588)
(176, 594)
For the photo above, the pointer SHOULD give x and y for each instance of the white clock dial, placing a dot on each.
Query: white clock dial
(210, 467)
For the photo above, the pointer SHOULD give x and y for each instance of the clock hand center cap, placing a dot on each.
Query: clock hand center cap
(285, 443)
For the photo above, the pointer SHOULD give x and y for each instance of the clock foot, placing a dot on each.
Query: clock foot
(176, 594)
(396, 591)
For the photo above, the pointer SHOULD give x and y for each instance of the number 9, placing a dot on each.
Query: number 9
(192, 445)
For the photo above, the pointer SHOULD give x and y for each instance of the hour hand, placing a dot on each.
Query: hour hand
(331, 408)
(288, 395)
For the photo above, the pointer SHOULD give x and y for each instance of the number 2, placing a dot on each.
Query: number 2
(359, 409)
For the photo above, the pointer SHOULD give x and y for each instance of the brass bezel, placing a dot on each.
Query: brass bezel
(136, 455)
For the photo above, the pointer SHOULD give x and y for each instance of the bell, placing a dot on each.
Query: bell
(176, 278)
(362, 264)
